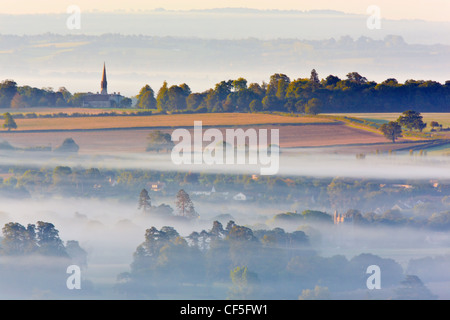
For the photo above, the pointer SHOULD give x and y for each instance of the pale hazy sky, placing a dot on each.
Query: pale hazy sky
(433, 10)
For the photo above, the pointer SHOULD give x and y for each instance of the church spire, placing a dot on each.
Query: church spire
(104, 83)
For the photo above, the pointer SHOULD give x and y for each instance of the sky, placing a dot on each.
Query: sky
(431, 10)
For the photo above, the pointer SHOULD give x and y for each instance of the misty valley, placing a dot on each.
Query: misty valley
(141, 228)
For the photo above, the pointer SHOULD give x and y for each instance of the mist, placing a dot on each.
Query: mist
(111, 229)
(319, 162)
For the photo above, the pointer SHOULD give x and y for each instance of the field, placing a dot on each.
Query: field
(103, 134)
(68, 110)
(160, 121)
(441, 118)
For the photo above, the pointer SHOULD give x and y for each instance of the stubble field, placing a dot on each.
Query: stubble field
(104, 134)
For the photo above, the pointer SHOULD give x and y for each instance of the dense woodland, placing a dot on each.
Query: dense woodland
(232, 262)
(311, 95)
(254, 264)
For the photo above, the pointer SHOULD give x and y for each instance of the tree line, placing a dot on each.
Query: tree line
(41, 238)
(312, 95)
(304, 95)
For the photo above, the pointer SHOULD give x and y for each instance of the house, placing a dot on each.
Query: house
(205, 192)
(240, 197)
(434, 183)
(402, 206)
(113, 182)
(156, 186)
(338, 218)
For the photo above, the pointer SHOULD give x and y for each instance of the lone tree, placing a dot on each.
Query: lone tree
(185, 206)
(411, 120)
(157, 140)
(9, 122)
(435, 124)
(391, 130)
(144, 201)
(68, 145)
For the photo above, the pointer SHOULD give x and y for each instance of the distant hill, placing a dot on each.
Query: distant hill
(76, 61)
(229, 23)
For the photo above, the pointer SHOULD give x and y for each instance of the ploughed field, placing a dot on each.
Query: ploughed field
(105, 134)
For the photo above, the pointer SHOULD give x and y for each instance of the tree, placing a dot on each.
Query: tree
(314, 215)
(277, 85)
(66, 95)
(9, 122)
(412, 288)
(434, 124)
(127, 102)
(319, 293)
(411, 120)
(356, 77)
(255, 105)
(146, 254)
(61, 177)
(162, 97)
(215, 99)
(146, 98)
(194, 100)
(391, 130)
(68, 145)
(185, 205)
(76, 253)
(77, 99)
(144, 201)
(176, 97)
(314, 106)
(48, 240)
(8, 89)
(331, 80)
(18, 101)
(244, 283)
(314, 78)
(18, 240)
(239, 84)
(158, 140)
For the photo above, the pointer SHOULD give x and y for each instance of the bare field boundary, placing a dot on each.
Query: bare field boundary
(162, 121)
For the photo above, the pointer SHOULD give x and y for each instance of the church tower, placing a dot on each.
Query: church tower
(104, 83)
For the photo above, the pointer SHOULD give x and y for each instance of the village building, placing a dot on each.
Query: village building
(240, 197)
(341, 218)
(156, 186)
(102, 99)
(338, 218)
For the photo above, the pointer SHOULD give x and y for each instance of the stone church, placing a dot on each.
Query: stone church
(102, 99)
